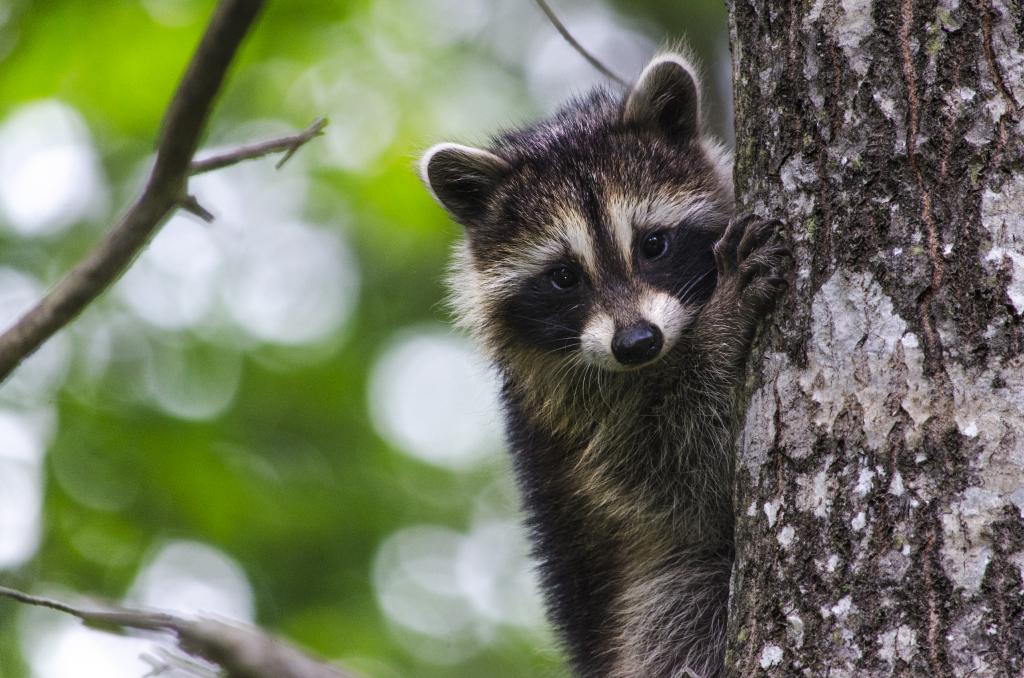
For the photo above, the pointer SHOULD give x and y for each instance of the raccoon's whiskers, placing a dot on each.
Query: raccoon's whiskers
(692, 284)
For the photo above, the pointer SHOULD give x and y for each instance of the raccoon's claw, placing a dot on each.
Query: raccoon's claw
(753, 254)
(758, 232)
(726, 249)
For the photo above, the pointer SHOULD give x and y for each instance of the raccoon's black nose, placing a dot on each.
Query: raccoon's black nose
(637, 344)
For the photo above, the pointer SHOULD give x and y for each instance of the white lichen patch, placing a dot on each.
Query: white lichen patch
(887, 105)
(811, 66)
(785, 536)
(813, 13)
(988, 409)
(771, 511)
(855, 331)
(758, 434)
(795, 630)
(1008, 51)
(997, 106)
(918, 400)
(865, 481)
(960, 97)
(842, 608)
(815, 493)
(896, 487)
(770, 656)
(980, 133)
(796, 173)
(859, 521)
(962, 642)
(944, 13)
(796, 433)
(1002, 215)
(899, 643)
(851, 27)
(965, 551)
(906, 642)
(987, 404)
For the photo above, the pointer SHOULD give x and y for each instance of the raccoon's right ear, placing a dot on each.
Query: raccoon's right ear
(462, 178)
(666, 97)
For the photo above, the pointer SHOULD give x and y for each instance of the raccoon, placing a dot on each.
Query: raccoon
(604, 275)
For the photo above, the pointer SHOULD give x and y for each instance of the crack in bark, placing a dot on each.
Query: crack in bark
(932, 342)
(990, 57)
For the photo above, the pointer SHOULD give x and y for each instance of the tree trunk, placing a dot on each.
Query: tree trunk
(880, 479)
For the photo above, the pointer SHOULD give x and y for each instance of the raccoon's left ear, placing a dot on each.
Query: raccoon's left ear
(667, 97)
(462, 179)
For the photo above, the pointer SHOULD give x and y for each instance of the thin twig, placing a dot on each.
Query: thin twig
(190, 204)
(182, 126)
(287, 145)
(594, 61)
(241, 651)
(38, 601)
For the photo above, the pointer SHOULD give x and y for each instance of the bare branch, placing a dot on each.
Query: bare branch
(191, 205)
(593, 60)
(241, 651)
(287, 145)
(183, 123)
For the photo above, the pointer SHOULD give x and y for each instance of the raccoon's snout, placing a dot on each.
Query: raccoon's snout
(637, 335)
(637, 344)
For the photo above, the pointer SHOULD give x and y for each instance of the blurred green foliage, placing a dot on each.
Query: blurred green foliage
(231, 426)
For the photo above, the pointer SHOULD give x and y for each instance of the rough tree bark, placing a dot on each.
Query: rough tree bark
(880, 483)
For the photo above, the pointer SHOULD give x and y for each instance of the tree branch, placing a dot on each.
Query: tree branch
(241, 651)
(287, 145)
(593, 60)
(165, 189)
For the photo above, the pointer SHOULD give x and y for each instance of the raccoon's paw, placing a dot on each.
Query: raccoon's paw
(752, 260)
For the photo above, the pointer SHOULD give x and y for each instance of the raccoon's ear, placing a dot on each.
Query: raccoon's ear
(462, 179)
(667, 97)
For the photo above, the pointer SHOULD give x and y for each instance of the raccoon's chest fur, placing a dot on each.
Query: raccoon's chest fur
(643, 452)
(628, 501)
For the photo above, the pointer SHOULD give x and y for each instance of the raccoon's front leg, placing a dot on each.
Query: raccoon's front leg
(752, 260)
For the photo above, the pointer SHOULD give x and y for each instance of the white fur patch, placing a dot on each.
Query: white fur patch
(596, 342)
(721, 159)
(666, 212)
(533, 256)
(622, 214)
(576, 232)
(665, 311)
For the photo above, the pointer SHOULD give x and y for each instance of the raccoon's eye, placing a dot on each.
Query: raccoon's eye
(654, 245)
(564, 278)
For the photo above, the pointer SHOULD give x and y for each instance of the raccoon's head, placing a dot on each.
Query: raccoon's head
(589, 235)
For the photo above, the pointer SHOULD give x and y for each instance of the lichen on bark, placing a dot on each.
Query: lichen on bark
(880, 479)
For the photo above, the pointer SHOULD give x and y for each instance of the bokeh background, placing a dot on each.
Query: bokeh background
(268, 418)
